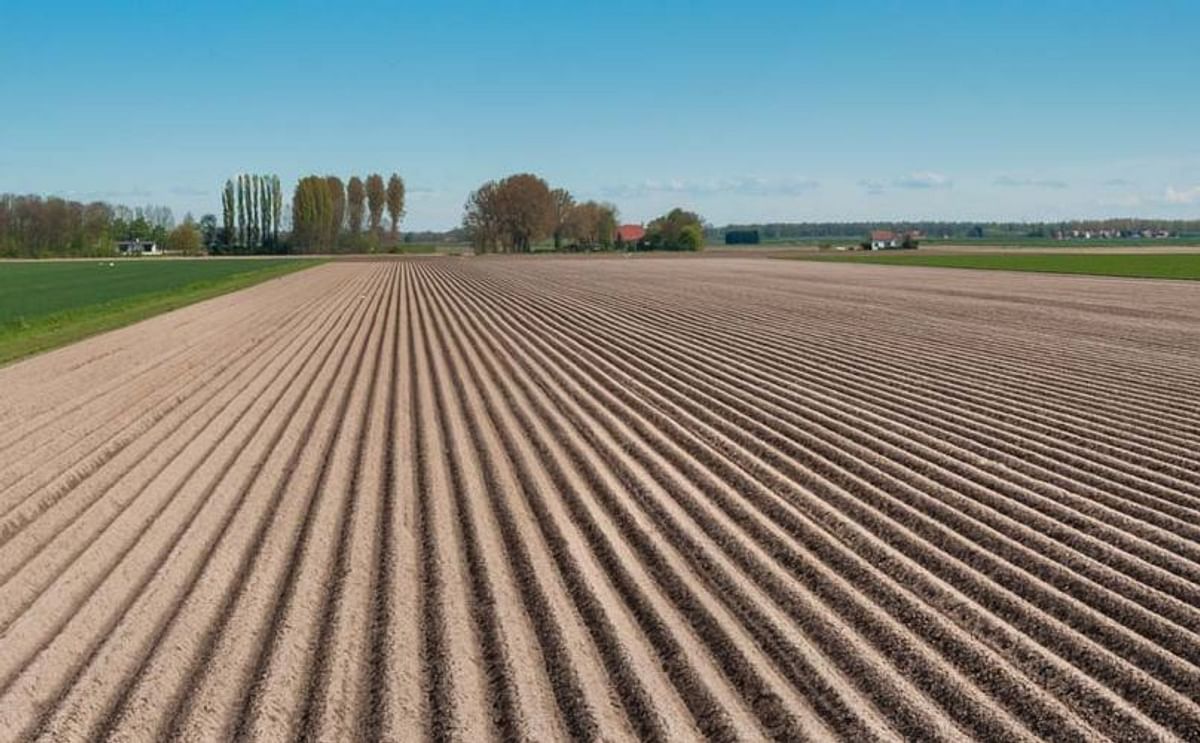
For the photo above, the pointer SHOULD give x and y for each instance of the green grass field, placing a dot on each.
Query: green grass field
(1046, 242)
(1136, 265)
(48, 304)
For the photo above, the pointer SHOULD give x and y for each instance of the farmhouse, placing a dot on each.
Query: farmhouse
(884, 240)
(889, 240)
(138, 247)
(630, 234)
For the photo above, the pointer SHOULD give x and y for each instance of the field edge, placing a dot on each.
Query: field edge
(64, 328)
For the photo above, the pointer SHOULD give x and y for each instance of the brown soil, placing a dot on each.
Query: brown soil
(557, 499)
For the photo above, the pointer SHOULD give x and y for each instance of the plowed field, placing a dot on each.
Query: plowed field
(662, 499)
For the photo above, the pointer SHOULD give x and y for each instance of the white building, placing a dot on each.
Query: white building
(888, 240)
(138, 247)
(884, 240)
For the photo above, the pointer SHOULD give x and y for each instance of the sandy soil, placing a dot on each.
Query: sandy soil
(559, 498)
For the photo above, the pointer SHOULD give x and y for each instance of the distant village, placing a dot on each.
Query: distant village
(1149, 233)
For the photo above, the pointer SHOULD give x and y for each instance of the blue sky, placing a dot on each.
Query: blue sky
(746, 111)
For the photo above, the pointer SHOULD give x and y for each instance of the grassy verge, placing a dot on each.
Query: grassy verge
(1046, 242)
(43, 306)
(1135, 265)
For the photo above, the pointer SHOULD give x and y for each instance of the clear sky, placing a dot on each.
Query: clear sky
(781, 110)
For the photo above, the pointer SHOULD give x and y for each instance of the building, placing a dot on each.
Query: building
(630, 234)
(888, 240)
(138, 247)
(884, 240)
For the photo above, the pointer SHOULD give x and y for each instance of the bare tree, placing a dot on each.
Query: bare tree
(511, 214)
(563, 203)
(481, 218)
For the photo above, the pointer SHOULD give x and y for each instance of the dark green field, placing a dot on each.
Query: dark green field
(48, 304)
(1136, 265)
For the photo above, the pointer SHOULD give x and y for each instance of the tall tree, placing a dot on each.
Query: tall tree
(255, 211)
(356, 199)
(228, 212)
(395, 202)
(481, 218)
(264, 209)
(510, 214)
(563, 203)
(376, 198)
(185, 239)
(241, 198)
(592, 225)
(527, 210)
(337, 192)
(209, 231)
(276, 208)
(312, 214)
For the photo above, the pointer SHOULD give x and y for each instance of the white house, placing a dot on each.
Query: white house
(884, 240)
(138, 247)
(888, 240)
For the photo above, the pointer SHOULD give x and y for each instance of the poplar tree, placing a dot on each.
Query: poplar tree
(252, 185)
(395, 201)
(276, 208)
(264, 212)
(242, 205)
(356, 199)
(312, 213)
(337, 193)
(227, 212)
(376, 198)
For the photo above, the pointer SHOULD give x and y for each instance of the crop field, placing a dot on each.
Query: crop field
(1175, 265)
(651, 498)
(44, 304)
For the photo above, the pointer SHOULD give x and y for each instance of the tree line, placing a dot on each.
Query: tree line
(510, 215)
(513, 214)
(963, 230)
(34, 226)
(252, 210)
(328, 214)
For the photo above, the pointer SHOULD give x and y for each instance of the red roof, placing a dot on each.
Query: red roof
(630, 233)
(883, 235)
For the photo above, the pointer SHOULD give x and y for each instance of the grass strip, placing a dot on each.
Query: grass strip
(24, 337)
(1132, 265)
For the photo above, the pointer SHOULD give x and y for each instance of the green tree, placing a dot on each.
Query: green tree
(209, 232)
(356, 204)
(264, 210)
(337, 192)
(677, 230)
(241, 210)
(255, 211)
(228, 213)
(276, 208)
(376, 199)
(395, 202)
(312, 214)
(691, 237)
(186, 238)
